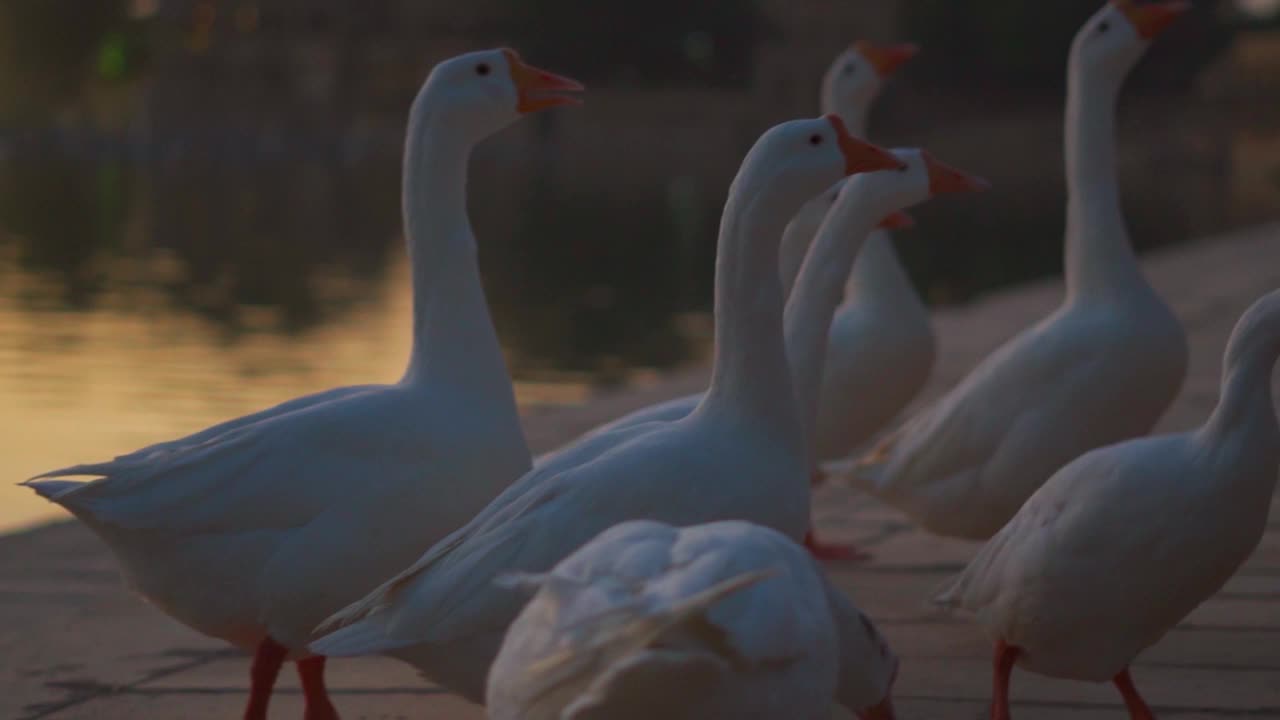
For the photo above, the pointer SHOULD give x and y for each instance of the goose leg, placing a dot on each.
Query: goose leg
(318, 705)
(1138, 709)
(823, 551)
(1005, 657)
(267, 660)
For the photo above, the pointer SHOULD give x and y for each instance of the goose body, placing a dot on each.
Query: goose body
(1102, 368)
(1122, 543)
(257, 529)
(725, 620)
(739, 455)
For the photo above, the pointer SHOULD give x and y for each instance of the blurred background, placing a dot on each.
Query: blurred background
(199, 199)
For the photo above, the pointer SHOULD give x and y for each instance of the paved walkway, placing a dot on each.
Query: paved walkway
(74, 644)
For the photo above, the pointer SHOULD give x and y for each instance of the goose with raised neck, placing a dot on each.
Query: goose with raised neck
(867, 201)
(1102, 368)
(882, 347)
(849, 88)
(1177, 514)
(838, 244)
(864, 390)
(255, 530)
(739, 455)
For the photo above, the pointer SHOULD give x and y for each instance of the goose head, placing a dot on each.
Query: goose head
(796, 160)
(480, 93)
(1115, 38)
(855, 78)
(920, 177)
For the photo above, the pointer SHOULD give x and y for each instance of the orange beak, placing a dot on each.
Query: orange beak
(945, 179)
(537, 89)
(886, 59)
(860, 155)
(897, 221)
(1150, 19)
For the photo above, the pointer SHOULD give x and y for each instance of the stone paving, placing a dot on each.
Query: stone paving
(75, 645)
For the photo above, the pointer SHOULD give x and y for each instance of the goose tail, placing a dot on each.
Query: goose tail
(53, 490)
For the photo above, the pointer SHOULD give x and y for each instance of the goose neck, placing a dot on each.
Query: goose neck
(818, 292)
(453, 336)
(750, 375)
(1098, 251)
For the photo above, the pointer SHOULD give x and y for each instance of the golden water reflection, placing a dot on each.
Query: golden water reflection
(85, 386)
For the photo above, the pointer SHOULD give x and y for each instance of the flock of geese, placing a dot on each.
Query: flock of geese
(655, 567)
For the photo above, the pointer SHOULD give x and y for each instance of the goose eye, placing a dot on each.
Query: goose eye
(482, 69)
(815, 139)
(848, 69)
(904, 168)
(1103, 27)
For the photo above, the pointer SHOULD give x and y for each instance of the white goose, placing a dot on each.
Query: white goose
(1100, 369)
(881, 344)
(822, 277)
(256, 530)
(740, 455)
(1124, 542)
(727, 620)
(852, 219)
(881, 339)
